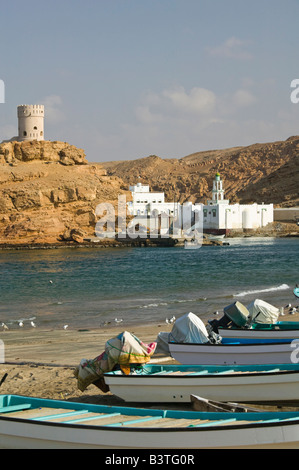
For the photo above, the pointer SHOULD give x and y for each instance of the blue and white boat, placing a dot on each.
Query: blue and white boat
(257, 321)
(244, 351)
(34, 423)
(260, 384)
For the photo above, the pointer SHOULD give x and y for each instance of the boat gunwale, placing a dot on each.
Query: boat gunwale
(256, 423)
(203, 376)
(261, 330)
(286, 341)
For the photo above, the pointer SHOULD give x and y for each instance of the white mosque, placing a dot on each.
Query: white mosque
(218, 215)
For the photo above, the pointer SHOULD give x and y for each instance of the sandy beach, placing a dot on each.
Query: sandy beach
(40, 363)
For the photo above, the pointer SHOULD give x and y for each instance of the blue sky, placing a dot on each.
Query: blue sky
(125, 79)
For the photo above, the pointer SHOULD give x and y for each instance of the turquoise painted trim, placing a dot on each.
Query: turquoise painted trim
(91, 418)
(145, 414)
(133, 421)
(11, 409)
(155, 369)
(58, 415)
(213, 423)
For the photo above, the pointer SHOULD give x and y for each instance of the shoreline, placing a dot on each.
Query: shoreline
(113, 243)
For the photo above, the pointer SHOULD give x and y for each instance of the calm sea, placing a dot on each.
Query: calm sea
(85, 288)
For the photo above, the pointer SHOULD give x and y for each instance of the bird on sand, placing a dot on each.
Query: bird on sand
(5, 327)
(118, 320)
(170, 320)
(33, 324)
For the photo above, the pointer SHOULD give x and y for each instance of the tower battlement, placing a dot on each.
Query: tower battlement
(31, 122)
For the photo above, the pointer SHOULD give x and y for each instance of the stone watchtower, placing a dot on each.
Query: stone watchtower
(31, 122)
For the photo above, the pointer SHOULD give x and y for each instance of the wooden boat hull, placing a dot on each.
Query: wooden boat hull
(181, 429)
(174, 384)
(229, 353)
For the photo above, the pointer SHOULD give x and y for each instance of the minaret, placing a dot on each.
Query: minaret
(31, 122)
(218, 192)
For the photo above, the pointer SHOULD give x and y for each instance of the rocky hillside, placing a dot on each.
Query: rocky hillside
(257, 173)
(49, 192)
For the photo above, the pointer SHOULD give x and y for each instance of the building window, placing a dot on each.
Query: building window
(24, 133)
(214, 212)
(41, 133)
(205, 212)
(35, 128)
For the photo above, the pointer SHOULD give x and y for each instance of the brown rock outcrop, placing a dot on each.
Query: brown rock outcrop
(258, 173)
(62, 152)
(49, 192)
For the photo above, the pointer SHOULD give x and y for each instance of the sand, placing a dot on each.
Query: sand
(40, 363)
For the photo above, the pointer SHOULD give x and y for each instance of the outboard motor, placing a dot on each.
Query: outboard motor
(224, 322)
(235, 315)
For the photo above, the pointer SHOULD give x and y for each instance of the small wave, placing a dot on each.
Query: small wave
(270, 289)
(153, 305)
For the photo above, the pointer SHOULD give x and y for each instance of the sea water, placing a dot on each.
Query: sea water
(91, 287)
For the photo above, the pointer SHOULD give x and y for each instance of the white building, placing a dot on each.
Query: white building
(31, 122)
(147, 203)
(219, 215)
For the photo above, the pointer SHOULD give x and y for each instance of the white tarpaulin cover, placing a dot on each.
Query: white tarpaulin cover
(262, 312)
(187, 329)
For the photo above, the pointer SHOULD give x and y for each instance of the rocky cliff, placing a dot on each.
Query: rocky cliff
(49, 192)
(257, 173)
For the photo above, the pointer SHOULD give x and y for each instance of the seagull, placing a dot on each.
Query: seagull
(21, 324)
(50, 282)
(216, 313)
(65, 327)
(5, 327)
(293, 311)
(33, 324)
(118, 320)
(288, 306)
(171, 320)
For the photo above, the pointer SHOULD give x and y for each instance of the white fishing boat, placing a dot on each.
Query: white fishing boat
(175, 383)
(235, 351)
(49, 424)
(259, 320)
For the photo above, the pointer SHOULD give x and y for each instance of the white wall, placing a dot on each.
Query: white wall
(31, 122)
(237, 216)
